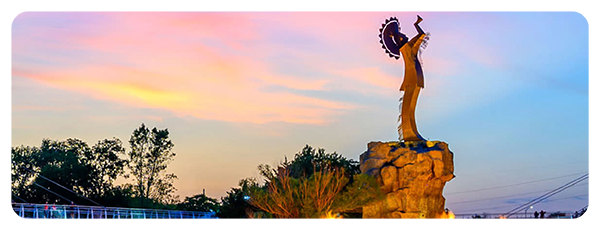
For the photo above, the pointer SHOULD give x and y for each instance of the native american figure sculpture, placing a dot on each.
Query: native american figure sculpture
(397, 44)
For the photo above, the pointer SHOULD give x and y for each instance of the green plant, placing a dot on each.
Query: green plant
(313, 185)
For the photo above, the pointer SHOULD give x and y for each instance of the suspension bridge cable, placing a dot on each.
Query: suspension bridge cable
(52, 192)
(570, 184)
(498, 197)
(24, 201)
(59, 185)
(512, 185)
(555, 194)
(506, 206)
(547, 195)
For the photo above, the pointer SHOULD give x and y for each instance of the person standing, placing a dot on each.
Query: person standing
(536, 214)
(72, 210)
(542, 213)
(46, 210)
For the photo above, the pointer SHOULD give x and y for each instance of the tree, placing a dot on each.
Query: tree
(64, 171)
(313, 185)
(235, 204)
(199, 202)
(23, 158)
(71, 170)
(120, 196)
(151, 152)
(108, 164)
(311, 160)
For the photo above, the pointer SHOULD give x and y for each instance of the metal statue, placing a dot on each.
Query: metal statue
(396, 44)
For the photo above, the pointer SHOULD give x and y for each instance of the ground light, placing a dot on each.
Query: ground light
(330, 215)
(447, 215)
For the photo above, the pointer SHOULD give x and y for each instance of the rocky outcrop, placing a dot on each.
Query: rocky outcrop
(412, 177)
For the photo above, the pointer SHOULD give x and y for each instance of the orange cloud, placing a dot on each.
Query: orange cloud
(204, 98)
(130, 63)
(207, 65)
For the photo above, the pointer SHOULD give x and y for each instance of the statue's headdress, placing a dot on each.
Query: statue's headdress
(388, 37)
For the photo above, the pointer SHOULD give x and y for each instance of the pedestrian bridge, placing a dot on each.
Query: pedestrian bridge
(57, 211)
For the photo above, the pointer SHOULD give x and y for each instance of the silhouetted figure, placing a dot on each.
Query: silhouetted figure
(542, 213)
(536, 214)
(46, 210)
(72, 210)
(53, 212)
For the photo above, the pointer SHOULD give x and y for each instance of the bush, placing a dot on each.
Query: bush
(313, 185)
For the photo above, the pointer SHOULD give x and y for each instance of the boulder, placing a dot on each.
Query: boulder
(412, 176)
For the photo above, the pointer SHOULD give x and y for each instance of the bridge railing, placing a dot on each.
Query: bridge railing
(97, 212)
(521, 215)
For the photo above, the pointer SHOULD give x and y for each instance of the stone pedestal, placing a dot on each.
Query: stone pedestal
(412, 177)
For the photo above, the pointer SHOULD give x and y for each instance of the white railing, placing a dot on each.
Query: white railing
(521, 215)
(97, 212)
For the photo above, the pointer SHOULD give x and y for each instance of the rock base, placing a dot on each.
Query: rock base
(412, 175)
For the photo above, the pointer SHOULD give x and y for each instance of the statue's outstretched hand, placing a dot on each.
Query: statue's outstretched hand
(419, 19)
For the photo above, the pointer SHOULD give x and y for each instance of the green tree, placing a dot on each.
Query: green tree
(87, 171)
(23, 158)
(109, 163)
(310, 160)
(120, 196)
(235, 204)
(313, 185)
(151, 152)
(199, 202)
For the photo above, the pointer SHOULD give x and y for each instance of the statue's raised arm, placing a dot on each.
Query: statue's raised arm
(419, 20)
(416, 41)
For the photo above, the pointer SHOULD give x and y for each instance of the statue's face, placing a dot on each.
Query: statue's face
(399, 38)
(392, 39)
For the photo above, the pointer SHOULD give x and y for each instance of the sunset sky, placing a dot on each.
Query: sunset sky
(507, 91)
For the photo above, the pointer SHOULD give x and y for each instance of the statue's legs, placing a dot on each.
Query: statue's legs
(409, 125)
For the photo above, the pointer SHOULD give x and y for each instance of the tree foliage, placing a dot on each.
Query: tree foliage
(106, 159)
(235, 204)
(199, 202)
(310, 160)
(313, 185)
(23, 158)
(151, 152)
(87, 171)
(71, 170)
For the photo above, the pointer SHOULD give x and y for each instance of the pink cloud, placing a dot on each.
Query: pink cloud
(214, 65)
(161, 61)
